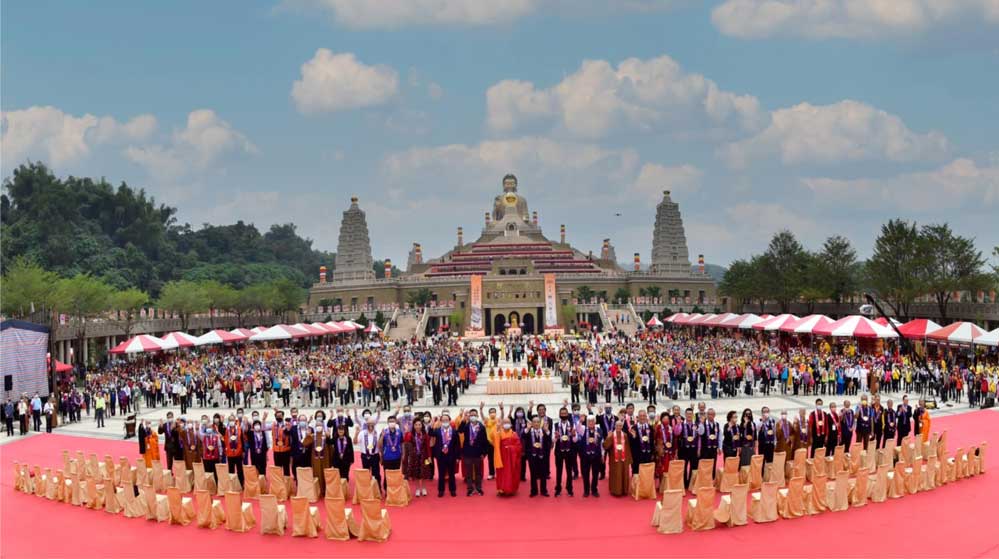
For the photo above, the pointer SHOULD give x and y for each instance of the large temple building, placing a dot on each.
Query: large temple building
(512, 275)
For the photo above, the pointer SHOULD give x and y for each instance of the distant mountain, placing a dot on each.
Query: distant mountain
(714, 270)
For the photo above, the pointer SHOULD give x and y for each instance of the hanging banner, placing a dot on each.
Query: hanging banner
(551, 310)
(475, 295)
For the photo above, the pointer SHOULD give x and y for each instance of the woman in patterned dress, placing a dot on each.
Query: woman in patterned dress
(416, 458)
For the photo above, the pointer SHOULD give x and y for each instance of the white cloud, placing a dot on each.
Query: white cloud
(58, 138)
(197, 146)
(653, 178)
(962, 183)
(336, 82)
(867, 19)
(844, 131)
(653, 95)
(390, 14)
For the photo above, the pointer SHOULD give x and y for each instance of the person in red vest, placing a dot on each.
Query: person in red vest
(818, 426)
(234, 447)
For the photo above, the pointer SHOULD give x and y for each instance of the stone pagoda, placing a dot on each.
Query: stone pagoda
(353, 251)
(669, 243)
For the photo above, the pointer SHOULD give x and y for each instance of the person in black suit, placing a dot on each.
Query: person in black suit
(590, 448)
(171, 439)
(688, 432)
(904, 418)
(606, 423)
(257, 447)
(709, 432)
(565, 451)
(641, 441)
(343, 450)
(301, 446)
(537, 443)
(476, 446)
(447, 448)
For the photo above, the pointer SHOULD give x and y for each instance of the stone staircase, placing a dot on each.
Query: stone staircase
(405, 328)
(421, 326)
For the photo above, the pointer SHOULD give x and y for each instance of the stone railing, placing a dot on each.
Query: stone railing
(421, 326)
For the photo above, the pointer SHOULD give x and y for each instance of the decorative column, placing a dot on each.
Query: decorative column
(460, 237)
(322, 274)
(388, 268)
(700, 263)
(638, 261)
(562, 231)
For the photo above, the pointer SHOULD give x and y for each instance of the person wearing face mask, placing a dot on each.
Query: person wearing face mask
(370, 446)
(149, 443)
(520, 423)
(710, 433)
(446, 451)
(801, 434)
(748, 429)
(619, 459)
(474, 448)
(417, 457)
(590, 445)
(565, 451)
(785, 436)
(507, 453)
(833, 435)
(320, 455)
(211, 450)
(342, 452)
(391, 446)
(846, 423)
(732, 437)
(302, 440)
(257, 444)
(538, 442)
(818, 427)
(234, 447)
(171, 440)
(865, 422)
(606, 422)
(767, 436)
(492, 425)
(281, 435)
(191, 443)
(642, 445)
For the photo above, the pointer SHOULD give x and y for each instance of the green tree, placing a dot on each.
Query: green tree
(362, 320)
(419, 297)
(220, 298)
(129, 302)
(895, 268)
(27, 288)
(185, 298)
(584, 293)
(785, 263)
(622, 295)
(653, 291)
(745, 281)
(457, 320)
(83, 297)
(951, 264)
(837, 272)
(288, 297)
(259, 297)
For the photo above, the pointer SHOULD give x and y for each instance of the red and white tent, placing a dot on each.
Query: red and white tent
(257, 330)
(957, 333)
(220, 337)
(918, 329)
(279, 332)
(699, 321)
(142, 343)
(181, 339)
(854, 326)
(774, 323)
(884, 321)
(688, 318)
(352, 324)
(244, 332)
(324, 327)
(372, 329)
(989, 338)
(310, 329)
(675, 317)
(717, 319)
(807, 324)
(338, 328)
(751, 320)
(654, 322)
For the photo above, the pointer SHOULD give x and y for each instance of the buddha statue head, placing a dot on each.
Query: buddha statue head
(510, 183)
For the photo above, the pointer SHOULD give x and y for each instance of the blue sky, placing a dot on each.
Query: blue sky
(826, 117)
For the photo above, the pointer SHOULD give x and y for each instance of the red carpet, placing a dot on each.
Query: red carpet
(957, 520)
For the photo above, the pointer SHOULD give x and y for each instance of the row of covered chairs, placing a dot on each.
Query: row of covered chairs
(114, 488)
(811, 490)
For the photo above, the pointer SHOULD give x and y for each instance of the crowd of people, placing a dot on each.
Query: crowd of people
(511, 445)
